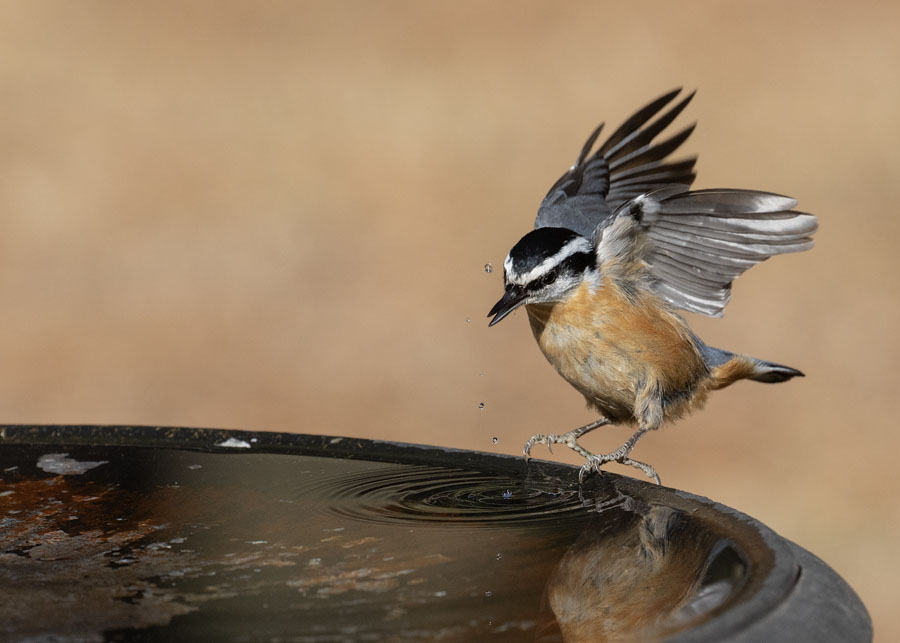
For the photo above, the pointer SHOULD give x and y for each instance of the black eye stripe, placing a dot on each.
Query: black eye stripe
(545, 280)
(580, 261)
(575, 264)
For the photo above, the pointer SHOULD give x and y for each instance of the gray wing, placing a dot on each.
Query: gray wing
(694, 244)
(627, 164)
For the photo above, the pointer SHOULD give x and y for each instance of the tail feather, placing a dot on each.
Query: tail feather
(770, 372)
(726, 368)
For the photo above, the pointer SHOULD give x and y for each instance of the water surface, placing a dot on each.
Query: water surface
(159, 544)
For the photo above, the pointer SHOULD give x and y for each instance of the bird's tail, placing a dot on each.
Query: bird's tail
(771, 373)
(725, 368)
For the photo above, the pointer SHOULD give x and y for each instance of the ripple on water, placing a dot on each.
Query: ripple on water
(434, 495)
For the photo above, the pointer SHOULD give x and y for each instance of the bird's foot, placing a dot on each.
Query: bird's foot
(569, 439)
(620, 455)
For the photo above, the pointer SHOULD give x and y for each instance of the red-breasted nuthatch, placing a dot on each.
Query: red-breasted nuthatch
(620, 244)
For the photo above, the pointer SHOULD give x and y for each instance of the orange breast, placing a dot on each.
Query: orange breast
(613, 345)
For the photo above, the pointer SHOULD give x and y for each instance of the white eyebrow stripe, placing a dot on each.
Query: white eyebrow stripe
(576, 245)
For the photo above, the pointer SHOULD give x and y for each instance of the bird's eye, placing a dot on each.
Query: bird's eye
(547, 279)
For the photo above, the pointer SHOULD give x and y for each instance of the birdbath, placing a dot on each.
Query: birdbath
(159, 534)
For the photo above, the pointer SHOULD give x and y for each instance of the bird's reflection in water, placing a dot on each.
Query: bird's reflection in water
(641, 575)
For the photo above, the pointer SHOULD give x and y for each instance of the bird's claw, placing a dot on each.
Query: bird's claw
(592, 464)
(567, 439)
(538, 438)
(620, 455)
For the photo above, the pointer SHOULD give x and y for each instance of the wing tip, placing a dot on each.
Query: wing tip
(589, 144)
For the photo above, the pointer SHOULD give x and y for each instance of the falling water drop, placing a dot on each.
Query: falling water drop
(495, 439)
(499, 555)
(488, 594)
(481, 406)
(468, 320)
(488, 268)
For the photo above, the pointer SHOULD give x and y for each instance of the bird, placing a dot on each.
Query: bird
(621, 247)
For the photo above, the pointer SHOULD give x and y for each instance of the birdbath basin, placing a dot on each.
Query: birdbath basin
(160, 534)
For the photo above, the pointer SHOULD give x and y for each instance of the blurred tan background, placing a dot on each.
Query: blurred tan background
(276, 215)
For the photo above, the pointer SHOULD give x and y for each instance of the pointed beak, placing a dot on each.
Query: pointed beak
(512, 299)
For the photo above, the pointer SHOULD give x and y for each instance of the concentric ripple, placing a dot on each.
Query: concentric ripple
(431, 495)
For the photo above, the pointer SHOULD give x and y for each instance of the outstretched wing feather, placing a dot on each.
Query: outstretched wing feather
(636, 120)
(641, 137)
(650, 153)
(584, 197)
(695, 244)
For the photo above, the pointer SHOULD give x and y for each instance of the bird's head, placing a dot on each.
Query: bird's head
(544, 266)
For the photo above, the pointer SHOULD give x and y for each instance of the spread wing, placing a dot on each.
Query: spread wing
(627, 164)
(694, 244)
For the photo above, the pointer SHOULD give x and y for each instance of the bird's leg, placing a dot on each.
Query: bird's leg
(569, 439)
(620, 455)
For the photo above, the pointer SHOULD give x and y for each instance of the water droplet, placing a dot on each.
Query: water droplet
(488, 267)
(499, 555)
(507, 494)
(481, 406)
(488, 594)
(495, 439)
(468, 320)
